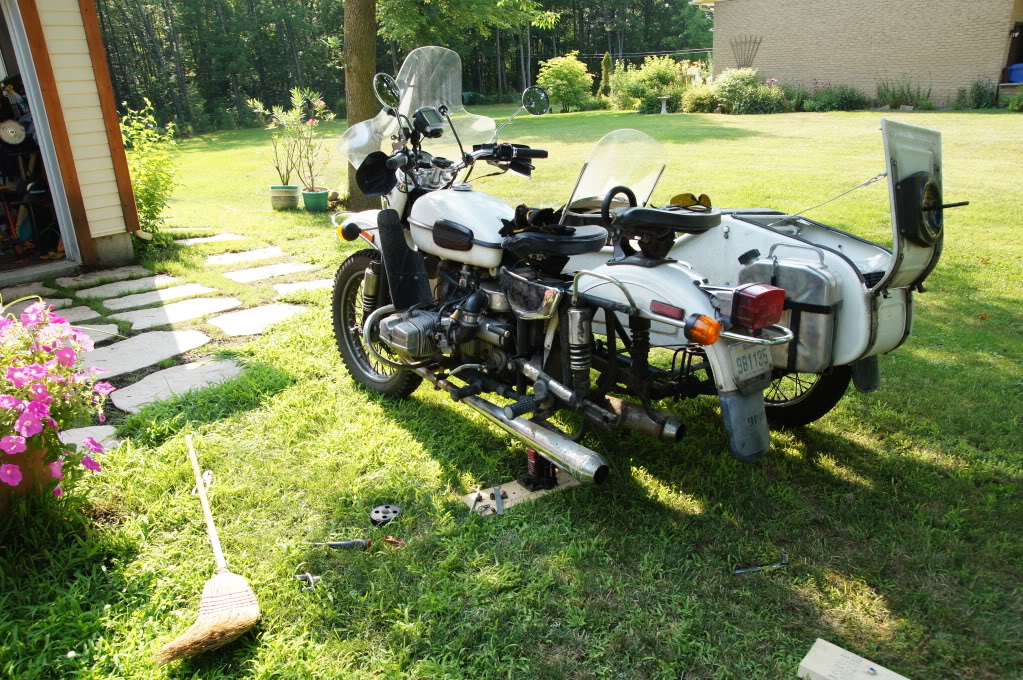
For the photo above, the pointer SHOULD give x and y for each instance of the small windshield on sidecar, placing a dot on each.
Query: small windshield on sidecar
(626, 157)
(430, 76)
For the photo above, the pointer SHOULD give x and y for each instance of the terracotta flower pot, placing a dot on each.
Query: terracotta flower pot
(35, 475)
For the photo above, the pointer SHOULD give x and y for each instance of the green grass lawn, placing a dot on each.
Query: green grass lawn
(901, 510)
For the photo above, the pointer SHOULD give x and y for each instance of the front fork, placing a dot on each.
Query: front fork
(371, 288)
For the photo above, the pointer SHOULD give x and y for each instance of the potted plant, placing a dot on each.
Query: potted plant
(311, 153)
(44, 389)
(283, 196)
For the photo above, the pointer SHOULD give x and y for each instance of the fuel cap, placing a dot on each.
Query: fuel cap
(382, 514)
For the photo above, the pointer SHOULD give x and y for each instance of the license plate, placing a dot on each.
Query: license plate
(749, 361)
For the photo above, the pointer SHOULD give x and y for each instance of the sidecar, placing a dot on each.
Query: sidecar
(847, 300)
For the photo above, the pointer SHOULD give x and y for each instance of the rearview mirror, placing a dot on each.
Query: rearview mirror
(536, 101)
(386, 90)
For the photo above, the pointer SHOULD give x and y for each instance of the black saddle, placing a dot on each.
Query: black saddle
(532, 244)
(675, 218)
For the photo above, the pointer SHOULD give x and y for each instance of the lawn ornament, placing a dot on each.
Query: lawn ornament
(490, 302)
(228, 607)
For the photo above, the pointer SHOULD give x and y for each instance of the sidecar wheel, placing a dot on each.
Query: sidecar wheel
(797, 399)
(348, 318)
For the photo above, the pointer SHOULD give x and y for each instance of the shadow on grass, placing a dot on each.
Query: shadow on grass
(161, 420)
(589, 127)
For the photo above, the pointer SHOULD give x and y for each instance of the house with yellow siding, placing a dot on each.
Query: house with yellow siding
(937, 45)
(65, 192)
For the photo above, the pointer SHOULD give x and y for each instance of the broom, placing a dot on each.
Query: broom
(228, 607)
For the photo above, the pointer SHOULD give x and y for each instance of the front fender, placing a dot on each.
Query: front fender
(367, 221)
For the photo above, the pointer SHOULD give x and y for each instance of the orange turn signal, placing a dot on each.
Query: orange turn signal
(702, 329)
(340, 236)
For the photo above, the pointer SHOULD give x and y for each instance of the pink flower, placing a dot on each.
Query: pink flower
(8, 402)
(57, 491)
(83, 340)
(36, 371)
(89, 464)
(57, 318)
(12, 444)
(40, 393)
(102, 417)
(38, 409)
(78, 378)
(18, 376)
(10, 474)
(34, 315)
(66, 356)
(92, 445)
(96, 370)
(28, 425)
(103, 388)
(57, 469)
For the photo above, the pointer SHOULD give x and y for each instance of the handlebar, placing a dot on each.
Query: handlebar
(399, 159)
(529, 153)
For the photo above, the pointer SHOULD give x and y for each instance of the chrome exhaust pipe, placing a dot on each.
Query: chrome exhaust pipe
(634, 417)
(575, 459)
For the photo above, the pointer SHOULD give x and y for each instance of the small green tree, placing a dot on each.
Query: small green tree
(605, 76)
(152, 162)
(566, 80)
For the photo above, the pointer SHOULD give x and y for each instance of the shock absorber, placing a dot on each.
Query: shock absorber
(640, 350)
(580, 348)
(370, 287)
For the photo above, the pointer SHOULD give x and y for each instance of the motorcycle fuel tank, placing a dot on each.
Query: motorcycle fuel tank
(461, 225)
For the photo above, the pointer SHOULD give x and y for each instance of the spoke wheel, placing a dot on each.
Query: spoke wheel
(348, 316)
(797, 399)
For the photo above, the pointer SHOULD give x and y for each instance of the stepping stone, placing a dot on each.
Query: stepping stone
(255, 320)
(16, 309)
(82, 313)
(121, 287)
(105, 275)
(285, 288)
(171, 381)
(246, 256)
(143, 350)
(175, 312)
(104, 434)
(269, 271)
(14, 292)
(162, 295)
(100, 333)
(208, 239)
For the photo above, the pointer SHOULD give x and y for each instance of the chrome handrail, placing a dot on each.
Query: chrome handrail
(786, 336)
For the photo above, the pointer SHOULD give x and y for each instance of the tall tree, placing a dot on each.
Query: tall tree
(360, 51)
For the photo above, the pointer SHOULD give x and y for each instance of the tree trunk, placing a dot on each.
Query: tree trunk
(529, 57)
(294, 51)
(360, 65)
(500, 65)
(522, 62)
(179, 66)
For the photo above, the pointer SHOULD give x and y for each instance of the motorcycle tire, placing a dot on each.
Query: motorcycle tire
(798, 399)
(346, 308)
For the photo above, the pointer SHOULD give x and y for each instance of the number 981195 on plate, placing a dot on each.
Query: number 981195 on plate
(749, 361)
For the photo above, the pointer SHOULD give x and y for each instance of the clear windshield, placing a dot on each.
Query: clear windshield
(628, 158)
(430, 76)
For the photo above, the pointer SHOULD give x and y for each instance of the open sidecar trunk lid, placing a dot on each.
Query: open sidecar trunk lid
(913, 158)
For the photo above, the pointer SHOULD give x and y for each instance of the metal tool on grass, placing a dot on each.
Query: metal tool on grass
(353, 544)
(228, 607)
(781, 564)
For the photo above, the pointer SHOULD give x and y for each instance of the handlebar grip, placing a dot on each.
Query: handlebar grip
(397, 160)
(530, 153)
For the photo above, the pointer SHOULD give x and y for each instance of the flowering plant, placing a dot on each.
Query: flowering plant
(43, 389)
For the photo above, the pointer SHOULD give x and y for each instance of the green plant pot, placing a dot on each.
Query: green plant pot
(315, 201)
(284, 196)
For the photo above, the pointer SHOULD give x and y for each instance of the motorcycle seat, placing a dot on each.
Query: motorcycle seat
(676, 218)
(532, 244)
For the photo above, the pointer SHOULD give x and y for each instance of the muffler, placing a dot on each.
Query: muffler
(575, 459)
(634, 417)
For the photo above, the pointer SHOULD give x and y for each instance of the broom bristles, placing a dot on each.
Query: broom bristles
(227, 610)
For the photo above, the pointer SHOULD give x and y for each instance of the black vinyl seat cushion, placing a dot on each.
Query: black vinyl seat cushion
(530, 244)
(672, 217)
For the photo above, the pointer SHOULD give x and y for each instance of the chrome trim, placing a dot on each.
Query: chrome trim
(786, 336)
(583, 272)
(530, 300)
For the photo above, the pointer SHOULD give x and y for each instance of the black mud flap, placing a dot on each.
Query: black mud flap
(866, 374)
(406, 272)
(746, 424)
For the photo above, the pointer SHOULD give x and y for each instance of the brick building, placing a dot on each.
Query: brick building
(937, 44)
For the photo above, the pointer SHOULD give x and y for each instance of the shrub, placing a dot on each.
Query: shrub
(567, 80)
(658, 75)
(838, 98)
(700, 98)
(896, 93)
(980, 95)
(795, 95)
(46, 389)
(735, 84)
(595, 104)
(604, 89)
(625, 87)
(152, 161)
(1016, 102)
(925, 105)
(651, 103)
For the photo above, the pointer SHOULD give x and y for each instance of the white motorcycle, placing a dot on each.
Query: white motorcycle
(607, 297)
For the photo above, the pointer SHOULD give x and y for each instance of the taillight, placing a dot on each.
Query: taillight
(757, 306)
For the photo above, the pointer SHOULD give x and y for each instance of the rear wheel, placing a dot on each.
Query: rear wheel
(348, 320)
(797, 399)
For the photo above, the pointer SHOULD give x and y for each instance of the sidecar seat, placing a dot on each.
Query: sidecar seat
(670, 217)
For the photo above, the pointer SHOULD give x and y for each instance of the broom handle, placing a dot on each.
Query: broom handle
(211, 529)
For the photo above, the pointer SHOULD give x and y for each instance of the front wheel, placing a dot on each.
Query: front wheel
(797, 399)
(347, 308)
